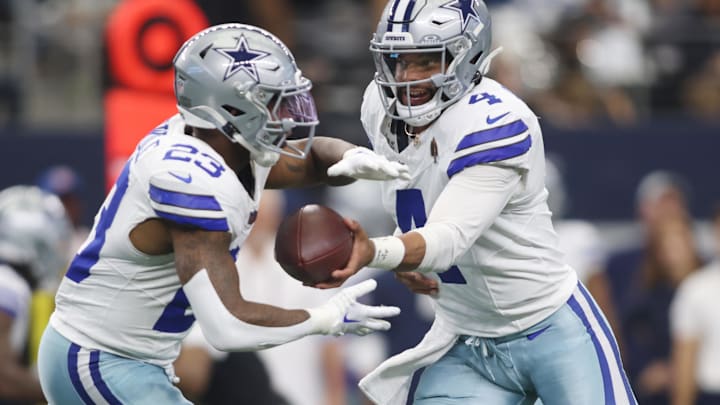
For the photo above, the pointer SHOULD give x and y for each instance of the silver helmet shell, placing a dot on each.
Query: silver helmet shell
(35, 232)
(459, 30)
(244, 81)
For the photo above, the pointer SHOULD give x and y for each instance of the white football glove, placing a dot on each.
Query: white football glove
(343, 314)
(362, 163)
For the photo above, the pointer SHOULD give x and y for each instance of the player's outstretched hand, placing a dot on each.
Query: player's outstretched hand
(343, 314)
(362, 163)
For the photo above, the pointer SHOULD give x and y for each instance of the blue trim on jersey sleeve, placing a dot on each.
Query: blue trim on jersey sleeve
(208, 224)
(490, 155)
(183, 200)
(80, 266)
(492, 134)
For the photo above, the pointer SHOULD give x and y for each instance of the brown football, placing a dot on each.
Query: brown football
(313, 242)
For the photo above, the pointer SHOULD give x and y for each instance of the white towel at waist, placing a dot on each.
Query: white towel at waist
(389, 383)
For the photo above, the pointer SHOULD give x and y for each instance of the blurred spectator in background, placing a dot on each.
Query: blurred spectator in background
(66, 183)
(643, 281)
(616, 60)
(696, 333)
(684, 37)
(576, 62)
(272, 15)
(33, 232)
(701, 93)
(308, 371)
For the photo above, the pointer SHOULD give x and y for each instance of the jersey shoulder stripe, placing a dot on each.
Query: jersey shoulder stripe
(202, 211)
(183, 200)
(489, 155)
(208, 224)
(492, 134)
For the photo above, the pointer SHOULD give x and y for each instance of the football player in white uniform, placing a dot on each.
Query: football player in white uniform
(34, 232)
(160, 254)
(513, 323)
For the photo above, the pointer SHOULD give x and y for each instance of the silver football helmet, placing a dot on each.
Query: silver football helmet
(244, 81)
(35, 232)
(455, 32)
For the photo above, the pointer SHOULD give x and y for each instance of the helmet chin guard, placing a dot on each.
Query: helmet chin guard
(457, 32)
(244, 81)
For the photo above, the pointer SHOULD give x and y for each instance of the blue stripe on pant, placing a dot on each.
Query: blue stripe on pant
(70, 374)
(569, 358)
(75, 376)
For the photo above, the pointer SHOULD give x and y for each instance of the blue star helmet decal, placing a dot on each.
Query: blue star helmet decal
(465, 8)
(242, 57)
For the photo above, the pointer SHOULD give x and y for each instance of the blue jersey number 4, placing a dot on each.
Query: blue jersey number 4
(409, 207)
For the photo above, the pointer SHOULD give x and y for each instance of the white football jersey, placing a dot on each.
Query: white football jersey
(117, 299)
(513, 275)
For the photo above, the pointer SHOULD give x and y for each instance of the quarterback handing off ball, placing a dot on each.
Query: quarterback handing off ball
(313, 242)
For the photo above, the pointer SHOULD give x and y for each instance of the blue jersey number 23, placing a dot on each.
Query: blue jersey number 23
(409, 207)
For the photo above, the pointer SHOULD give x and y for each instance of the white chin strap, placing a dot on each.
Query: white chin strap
(420, 115)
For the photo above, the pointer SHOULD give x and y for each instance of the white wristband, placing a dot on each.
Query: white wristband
(389, 252)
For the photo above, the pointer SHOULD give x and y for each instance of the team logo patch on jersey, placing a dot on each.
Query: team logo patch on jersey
(242, 57)
(466, 10)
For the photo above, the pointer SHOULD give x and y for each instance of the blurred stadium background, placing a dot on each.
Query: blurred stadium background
(623, 88)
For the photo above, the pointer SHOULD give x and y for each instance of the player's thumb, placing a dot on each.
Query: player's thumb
(338, 169)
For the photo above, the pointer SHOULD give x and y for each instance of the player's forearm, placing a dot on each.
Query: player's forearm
(259, 314)
(225, 330)
(414, 251)
(324, 153)
(293, 172)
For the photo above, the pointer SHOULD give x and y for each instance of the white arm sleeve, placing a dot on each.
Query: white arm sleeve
(226, 332)
(468, 205)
